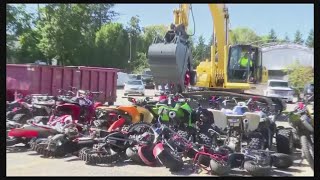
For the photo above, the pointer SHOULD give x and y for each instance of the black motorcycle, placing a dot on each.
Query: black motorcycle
(302, 122)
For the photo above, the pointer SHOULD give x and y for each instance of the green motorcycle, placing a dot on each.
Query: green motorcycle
(175, 113)
(178, 115)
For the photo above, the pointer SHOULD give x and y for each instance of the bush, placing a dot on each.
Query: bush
(299, 76)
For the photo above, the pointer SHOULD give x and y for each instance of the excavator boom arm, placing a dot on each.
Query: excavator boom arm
(173, 55)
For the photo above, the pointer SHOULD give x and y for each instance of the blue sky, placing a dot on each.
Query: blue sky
(283, 18)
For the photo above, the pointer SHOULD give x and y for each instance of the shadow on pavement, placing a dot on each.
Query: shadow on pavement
(17, 149)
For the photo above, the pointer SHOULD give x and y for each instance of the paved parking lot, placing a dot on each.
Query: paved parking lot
(21, 162)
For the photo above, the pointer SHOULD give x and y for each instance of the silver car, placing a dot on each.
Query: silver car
(134, 87)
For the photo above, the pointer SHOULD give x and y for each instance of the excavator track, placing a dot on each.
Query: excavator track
(169, 62)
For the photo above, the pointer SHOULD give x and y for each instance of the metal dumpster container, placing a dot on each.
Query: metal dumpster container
(42, 79)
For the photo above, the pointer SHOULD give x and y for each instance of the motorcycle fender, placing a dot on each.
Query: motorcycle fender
(147, 115)
(186, 107)
(43, 132)
(143, 158)
(132, 111)
(157, 149)
(97, 104)
(23, 133)
(118, 123)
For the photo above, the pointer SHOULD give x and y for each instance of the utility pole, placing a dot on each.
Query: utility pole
(39, 12)
(129, 61)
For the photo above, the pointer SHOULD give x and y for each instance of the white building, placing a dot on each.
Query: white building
(277, 57)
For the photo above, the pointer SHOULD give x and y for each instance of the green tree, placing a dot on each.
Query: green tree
(200, 51)
(18, 21)
(298, 38)
(59, 33)
(140, 63)
(151, 32)
(112, 46)
(29, 52)
(310, 39)
(286, 38)
(243, 36)
(102, 14)
(299, 75)
(272, 36)
(134, 30)
(208, 48)
(68, 32)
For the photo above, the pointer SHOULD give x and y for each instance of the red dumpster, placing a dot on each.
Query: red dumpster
(42, 79)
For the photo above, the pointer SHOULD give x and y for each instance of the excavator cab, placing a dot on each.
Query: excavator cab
(244, 64)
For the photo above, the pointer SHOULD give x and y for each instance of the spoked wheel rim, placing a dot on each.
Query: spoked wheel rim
(101, 152)
(140, 129)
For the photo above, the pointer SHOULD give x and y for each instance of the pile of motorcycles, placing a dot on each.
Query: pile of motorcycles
(172, 131)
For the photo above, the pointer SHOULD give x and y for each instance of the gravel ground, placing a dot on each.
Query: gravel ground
(21, 162)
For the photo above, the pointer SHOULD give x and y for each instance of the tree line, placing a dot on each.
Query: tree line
(87, 35)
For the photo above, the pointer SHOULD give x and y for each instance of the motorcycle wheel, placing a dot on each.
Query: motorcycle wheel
(168, 159)
(204, 160)
(11, 141)
(256, 170)
(142, 127)
(132, 153)
(284, 141)
(308, 150)
(256, 144)
(281, 161)
(219, 167)
(92, 158)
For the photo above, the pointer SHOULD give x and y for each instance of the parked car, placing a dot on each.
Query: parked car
(280, 89)
(147, 81)
(134, 77)
(122, 79)
(134, 87)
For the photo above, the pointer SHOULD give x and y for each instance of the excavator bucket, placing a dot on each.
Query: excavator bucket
(169, 62)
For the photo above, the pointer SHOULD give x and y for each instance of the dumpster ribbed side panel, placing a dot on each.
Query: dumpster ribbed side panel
(36, 79)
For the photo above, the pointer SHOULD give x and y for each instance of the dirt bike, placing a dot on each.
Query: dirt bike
(71, 140)
(38, 105)
(33, 130)
(171, 147)
(81, 107)
(61, 113)
(111, 148)
(17, 102)
(302, 122)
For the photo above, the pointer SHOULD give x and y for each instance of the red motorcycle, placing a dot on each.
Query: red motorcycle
(78, 109)
(33, 130)
(71, 140)
(81, 107)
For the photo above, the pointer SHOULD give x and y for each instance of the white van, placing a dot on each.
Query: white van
(122, 78)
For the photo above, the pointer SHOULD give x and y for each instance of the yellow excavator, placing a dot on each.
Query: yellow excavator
(170, 58)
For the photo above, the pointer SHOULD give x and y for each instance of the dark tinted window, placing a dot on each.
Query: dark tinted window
(135, 82)
(278, 84)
